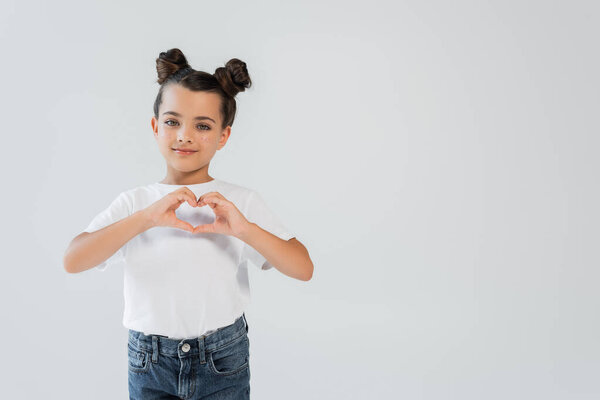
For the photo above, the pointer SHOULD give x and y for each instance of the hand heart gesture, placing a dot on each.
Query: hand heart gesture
(162, 212)
(228, 219)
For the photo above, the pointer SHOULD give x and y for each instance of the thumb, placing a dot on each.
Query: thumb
(204, 228)
(183, 225)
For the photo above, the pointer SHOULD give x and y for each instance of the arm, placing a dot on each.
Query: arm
(290, 257)
(87, 250)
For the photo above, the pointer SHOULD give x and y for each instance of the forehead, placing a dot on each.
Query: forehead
(190, 103)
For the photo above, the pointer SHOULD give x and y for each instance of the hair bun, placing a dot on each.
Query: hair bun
(170, 62)
(234, 77)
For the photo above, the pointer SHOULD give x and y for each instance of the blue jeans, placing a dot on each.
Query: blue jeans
(213, 366)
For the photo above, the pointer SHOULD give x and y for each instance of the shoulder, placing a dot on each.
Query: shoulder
(137, 196)
(137, 191)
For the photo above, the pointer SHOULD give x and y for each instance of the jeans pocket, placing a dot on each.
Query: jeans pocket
(138, 359)
(231, 358)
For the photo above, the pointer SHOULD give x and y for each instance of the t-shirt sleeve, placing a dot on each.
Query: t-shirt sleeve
(117, 210)
(259, 213)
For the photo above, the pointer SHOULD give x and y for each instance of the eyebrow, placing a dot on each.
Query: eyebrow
(196, 118)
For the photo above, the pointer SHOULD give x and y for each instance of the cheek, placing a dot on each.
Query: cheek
(162, 135)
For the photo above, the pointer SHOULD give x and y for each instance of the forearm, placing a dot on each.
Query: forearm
(87, 250)
(290, 257)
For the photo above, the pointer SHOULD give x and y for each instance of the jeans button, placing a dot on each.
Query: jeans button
(185, 347)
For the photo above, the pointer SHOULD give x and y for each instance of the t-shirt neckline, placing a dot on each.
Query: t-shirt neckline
(191, 186)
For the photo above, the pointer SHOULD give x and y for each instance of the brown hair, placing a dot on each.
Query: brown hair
(173, 68)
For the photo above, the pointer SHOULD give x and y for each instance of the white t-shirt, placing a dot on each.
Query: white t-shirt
(181, 284)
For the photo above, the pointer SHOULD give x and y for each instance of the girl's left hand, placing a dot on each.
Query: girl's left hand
(228, 219)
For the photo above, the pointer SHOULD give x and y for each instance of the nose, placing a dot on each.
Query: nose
(183, 135)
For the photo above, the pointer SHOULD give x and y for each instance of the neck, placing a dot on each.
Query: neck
(175, 177)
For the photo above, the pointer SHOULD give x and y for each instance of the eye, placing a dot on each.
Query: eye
(204, 127)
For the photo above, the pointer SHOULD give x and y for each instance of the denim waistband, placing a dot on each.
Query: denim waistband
(191, 346)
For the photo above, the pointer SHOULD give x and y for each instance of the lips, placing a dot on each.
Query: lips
(180, 152)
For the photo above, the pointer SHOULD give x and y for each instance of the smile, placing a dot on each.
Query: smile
(184, 152)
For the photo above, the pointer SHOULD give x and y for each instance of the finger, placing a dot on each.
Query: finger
(214, 194)
(211, 199)
(183, 225)
(210, 194)
(192, 195)
(202, 197)
(206, 228)
(183, 195)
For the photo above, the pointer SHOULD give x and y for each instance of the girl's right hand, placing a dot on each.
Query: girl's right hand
(162, 212)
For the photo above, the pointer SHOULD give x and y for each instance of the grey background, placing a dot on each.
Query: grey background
(438, 160)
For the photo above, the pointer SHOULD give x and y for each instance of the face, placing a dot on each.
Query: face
(178, 127)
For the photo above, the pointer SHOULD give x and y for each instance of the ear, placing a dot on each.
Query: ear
(154, 125)
(225, 133)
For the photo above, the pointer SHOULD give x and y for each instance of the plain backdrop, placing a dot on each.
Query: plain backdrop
(439, 160)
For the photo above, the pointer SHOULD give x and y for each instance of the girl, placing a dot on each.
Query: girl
(186, 242)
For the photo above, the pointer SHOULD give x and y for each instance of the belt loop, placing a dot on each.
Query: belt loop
(154, 349)
(201, 350)
(245, 321)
